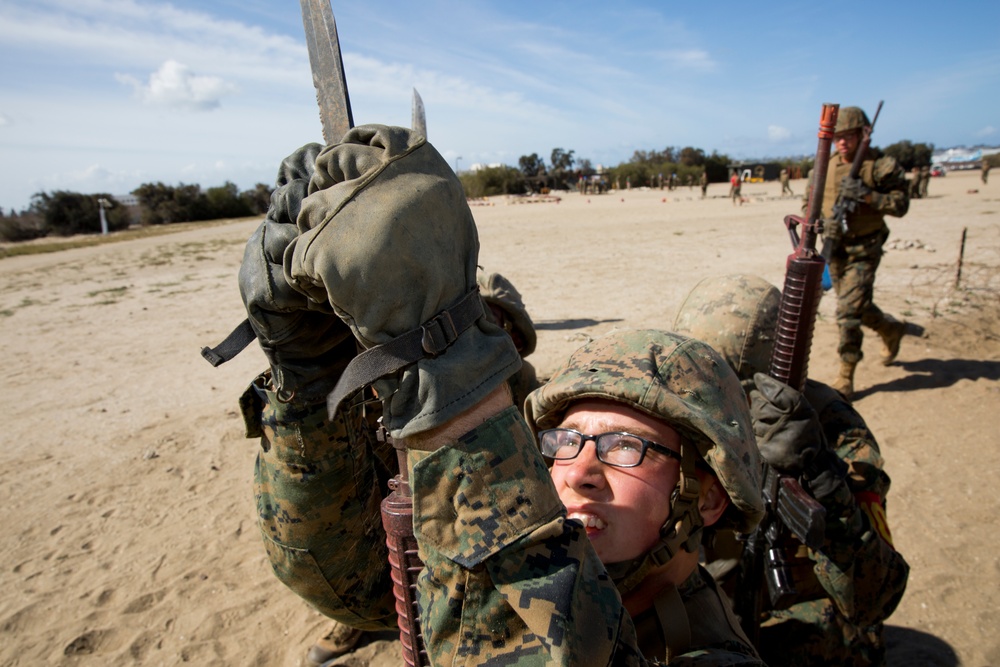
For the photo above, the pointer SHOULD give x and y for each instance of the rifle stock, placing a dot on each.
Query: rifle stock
(788, 508)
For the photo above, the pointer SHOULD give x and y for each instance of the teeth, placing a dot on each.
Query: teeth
(588, 520)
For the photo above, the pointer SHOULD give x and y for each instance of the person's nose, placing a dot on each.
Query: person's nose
(586, 471)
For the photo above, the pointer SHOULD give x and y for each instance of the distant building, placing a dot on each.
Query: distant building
(962, 157)
(131, 204)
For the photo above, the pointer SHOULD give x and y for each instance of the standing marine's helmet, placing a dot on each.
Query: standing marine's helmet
(679, 381)
(497, 291)
(738, 316)
(851, 118)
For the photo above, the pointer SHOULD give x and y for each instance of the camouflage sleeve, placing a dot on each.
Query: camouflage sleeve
(888, 179)
(318, 486)
(859, 567)
(507, 580)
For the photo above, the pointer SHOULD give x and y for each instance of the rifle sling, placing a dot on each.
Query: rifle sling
(427, 341)
(235, 343)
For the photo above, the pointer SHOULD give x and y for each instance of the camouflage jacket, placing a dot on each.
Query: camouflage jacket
(883, 176)
(506, 579)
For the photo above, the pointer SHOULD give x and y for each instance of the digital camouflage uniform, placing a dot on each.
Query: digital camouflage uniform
(509, 580)
(856, 256)
(506, 578)
(848, 588)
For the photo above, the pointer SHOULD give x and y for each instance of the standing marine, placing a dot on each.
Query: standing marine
(879, 191)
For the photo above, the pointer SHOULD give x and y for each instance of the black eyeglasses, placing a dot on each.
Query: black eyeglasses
(621, 450)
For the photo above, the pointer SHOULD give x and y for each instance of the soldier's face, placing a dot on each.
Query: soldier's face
(621, 508)
(847, 143)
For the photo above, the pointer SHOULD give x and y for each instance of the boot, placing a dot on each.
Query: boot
(891, 333)
(845, 382)
(338, 640)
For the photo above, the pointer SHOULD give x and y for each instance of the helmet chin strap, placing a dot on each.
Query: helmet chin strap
(681, 530)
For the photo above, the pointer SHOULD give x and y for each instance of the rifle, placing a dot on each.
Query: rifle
(788, 507)
(844, 207)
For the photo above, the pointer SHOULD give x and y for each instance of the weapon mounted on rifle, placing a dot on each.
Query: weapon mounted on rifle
(788, 507)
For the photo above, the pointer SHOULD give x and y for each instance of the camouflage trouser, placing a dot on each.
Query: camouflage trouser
(318, 485)
(852, 269)
(813, 633)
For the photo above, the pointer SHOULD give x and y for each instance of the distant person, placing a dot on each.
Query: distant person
(703, 179)
(986, 170)
(915, 183)
(785, 187)
(925, 179)
(879, 191)
(735, 185)
(690, 181)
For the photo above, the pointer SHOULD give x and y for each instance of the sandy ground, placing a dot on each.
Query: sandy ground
(128, 521)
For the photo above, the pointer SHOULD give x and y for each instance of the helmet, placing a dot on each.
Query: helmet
(498, 291)
(737, 315)
(851, 118)
(680, 381)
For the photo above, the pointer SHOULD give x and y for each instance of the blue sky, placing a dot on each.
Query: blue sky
(103, 95)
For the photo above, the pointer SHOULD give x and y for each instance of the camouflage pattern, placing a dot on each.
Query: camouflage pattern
(737, 315)
(677, 380)
(851, 118)
(848, 588)
(498, 291)
(318, 484)
(510, 581)
(506, 581)
(855, 259)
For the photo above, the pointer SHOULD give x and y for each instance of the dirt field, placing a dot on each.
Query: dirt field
(129, 529)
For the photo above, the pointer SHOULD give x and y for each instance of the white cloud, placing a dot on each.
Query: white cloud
(175, 85)
(987, 131)
(5, 121)
(778, 133)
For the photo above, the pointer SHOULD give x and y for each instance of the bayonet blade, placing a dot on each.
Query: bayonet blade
(419, 119)
(327, 69)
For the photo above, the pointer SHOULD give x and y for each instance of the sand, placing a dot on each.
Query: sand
(129, 533)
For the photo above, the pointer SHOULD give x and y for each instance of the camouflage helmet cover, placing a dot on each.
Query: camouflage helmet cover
(678, 380)
(737, 315)
(851, 118)
(497, 290)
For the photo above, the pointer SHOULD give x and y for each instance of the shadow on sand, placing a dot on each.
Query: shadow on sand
(935, 374)
(558, 325)
(906, 647)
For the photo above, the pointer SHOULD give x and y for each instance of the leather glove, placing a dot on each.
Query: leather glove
(855, 189)
(790, 437)
(389, 241)
(305, 343)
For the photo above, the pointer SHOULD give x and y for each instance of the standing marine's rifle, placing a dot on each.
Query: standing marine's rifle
(397, 508)
(788, 507)
(843, 207)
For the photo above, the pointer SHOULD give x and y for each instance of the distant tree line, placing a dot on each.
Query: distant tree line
(63, 213)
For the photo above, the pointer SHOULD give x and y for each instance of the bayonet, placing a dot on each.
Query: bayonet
(327, 69)
(419, 119)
